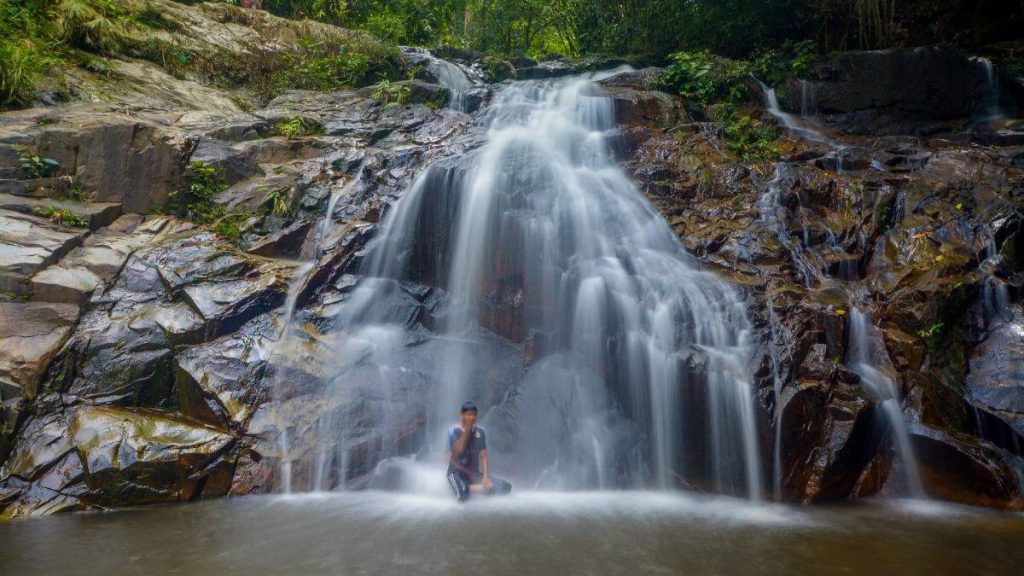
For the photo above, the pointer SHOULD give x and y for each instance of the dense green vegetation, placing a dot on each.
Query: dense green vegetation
(659, 27)
(37, 35)
(195, 200)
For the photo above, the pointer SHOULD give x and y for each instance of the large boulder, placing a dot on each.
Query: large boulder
(935, 82)
(31, 333)
(962, 468)
(995, 381)
(107, 153)
(27, 245)
(105, 456)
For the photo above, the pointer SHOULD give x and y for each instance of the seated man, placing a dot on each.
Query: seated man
(468, 467)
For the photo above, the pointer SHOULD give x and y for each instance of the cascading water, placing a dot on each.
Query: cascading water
(448, 74)
(867, 357)
(991, 110)
(796, 125)
(807, 105)
(286, 341)
(995, 295)
(641, 363)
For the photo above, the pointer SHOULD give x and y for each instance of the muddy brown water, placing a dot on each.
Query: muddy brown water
(524, 534)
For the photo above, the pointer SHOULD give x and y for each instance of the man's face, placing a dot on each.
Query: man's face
(468, 419)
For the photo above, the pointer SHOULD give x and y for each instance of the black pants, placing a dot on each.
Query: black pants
(459, 482)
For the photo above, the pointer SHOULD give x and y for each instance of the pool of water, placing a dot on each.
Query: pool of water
(530, 533)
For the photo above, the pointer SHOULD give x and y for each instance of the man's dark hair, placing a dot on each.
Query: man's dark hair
(468, 407)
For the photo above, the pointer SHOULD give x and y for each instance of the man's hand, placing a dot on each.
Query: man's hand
(487, 484)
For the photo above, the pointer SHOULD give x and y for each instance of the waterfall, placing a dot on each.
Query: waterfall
(807, 105)
(448, 74)
(281, 347)
(867, 357)
(990, 108)
(995, 296)
(641, 364)
(797, 125)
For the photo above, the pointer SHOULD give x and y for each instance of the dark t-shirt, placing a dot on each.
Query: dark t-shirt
(470, 459)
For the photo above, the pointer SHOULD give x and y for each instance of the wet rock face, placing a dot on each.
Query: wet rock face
(898, 224)
(995, 382)
(28, 244)
(155, 352)
(137, 360)
(110, 153)
(101, 457)
(935, 82)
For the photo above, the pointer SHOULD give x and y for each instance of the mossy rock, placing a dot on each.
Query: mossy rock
(498, 70)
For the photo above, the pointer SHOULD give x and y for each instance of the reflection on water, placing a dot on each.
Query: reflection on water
(526, 533)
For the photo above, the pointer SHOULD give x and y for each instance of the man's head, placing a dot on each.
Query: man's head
(468, 414)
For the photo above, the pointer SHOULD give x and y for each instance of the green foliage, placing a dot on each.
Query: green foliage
(60, 216)
(496, 26)
(690, 76)
(750, 139)
(323, 66)
(39, 167)
(276, 202)
(733, 28)
(705, 78)
(230, 227)
(78, 193)
(154, 16)
(497, 70)
(96, 25)
(804, 56)
(932, 335)
(195, 200)
(885, 219)
(299, 126)
(25, 51)
(391, 93)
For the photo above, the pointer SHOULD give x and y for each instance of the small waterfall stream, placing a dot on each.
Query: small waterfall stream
(992, 112)
(995, 295)
(448, 74)
(285, 341)
(798, 125)
(867, 357)
(641, 363)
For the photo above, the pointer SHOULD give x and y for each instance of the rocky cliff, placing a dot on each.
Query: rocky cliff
(139, 350)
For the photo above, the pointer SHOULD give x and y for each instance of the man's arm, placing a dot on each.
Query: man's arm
(485, 468)
(458, 448)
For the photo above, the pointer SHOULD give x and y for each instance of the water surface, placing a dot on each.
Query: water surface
(525, 534)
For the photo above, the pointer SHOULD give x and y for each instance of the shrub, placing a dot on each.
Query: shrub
(96, 25)
(230, 227)
(805, 55)
(299, 126)
(706, 78)
(391, 93)
(276, 202)
(195, 200)
(38, 167)
(25, 52)
(750, 139)
(323, 66)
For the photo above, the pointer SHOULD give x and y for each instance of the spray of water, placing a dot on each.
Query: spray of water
(539, 236)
